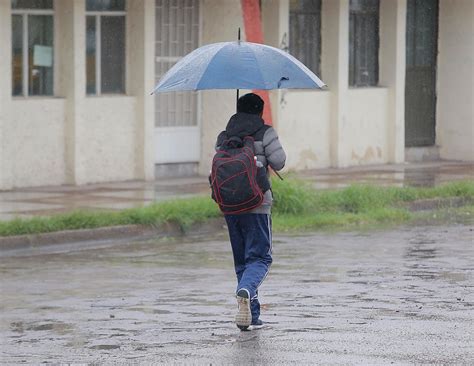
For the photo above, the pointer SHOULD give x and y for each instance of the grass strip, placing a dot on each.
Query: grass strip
(297, 206)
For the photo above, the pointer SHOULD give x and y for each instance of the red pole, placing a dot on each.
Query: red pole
(253, 33)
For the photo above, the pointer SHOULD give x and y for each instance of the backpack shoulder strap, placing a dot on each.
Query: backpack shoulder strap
(258, 136)
(233, 142)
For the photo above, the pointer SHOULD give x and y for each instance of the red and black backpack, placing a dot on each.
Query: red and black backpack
(234, 176)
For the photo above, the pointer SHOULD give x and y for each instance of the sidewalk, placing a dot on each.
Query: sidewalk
(28, 202)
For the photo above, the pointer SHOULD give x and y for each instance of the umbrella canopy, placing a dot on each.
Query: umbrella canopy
(238, 65)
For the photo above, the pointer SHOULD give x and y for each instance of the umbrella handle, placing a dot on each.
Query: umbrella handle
(237, 100)
(278, 175)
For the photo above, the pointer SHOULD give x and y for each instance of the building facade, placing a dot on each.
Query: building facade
(76, 76)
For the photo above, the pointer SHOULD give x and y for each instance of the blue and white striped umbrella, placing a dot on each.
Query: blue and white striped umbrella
(238, 65)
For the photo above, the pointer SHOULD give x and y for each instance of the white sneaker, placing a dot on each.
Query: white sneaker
(243, 319)
(258, 324)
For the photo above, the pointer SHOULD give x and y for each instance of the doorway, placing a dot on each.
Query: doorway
(420, 78)
(177, 130)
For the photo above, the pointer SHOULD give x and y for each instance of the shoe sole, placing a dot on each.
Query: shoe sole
(255, 327)
(243, 319)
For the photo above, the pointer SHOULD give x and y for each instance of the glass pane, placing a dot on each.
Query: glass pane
(105, 5)
(425, 44)
(112, 54)
(363, 42)
(40, 55)
(410, 33)
(32, 4)
(305, 32)
(364, 5)
(17, 55)
(90, 54)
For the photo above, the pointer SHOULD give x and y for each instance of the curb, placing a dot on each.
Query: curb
(438, 203)
(120, 233)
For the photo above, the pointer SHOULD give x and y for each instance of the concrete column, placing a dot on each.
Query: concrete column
(220, 21)
(141, 76)
(5, 92)
(455, 80)
(275, 23)
(392, 73)
(72, 80)
(335, 70)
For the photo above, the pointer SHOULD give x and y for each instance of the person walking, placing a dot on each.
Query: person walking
(250, 232)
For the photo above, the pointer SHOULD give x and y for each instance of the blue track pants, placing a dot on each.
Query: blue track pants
(251, 239)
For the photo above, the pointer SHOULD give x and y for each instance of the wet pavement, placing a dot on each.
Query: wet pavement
(380, 297)
(30, 202)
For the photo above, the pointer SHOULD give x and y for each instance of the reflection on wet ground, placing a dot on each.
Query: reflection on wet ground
(404, 296)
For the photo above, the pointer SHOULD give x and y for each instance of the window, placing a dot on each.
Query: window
(105, 47)
(364, 43)
(32, 47)
(177, 34)
(305, 33)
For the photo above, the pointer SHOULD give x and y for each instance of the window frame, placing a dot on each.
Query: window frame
(363, 13)
(98, 14)
(25, 13)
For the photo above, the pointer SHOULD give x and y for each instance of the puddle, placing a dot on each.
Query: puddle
(105, 346)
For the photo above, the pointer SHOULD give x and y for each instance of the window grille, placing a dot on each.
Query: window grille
(364, 43)
(305, 33)
(177, 34)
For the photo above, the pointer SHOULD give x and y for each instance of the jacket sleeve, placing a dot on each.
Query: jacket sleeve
(274, 152)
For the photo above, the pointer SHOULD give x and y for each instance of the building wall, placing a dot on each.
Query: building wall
(5, 90)
(455, 111)
(107, 149)
(74, 138)
(344, 126)
(303, 128)
(364, 135)
(35, 142)
(78, 139)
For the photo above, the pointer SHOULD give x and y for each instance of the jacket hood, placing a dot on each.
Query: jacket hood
(243, 124)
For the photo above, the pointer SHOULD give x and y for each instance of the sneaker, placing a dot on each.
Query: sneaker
(257, 324)
(243, 319)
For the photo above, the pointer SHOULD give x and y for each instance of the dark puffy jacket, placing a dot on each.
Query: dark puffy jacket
(267, 146)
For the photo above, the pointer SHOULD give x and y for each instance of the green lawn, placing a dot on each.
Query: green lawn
(297, 207)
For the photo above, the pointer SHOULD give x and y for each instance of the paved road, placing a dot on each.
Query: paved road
(404, 296)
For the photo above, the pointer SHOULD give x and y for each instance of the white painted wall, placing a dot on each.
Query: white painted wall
(5, 89)
(392, 59)
(106, 139)
(364, 127)
(455, 103)
(304, 128)
(35, 141)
